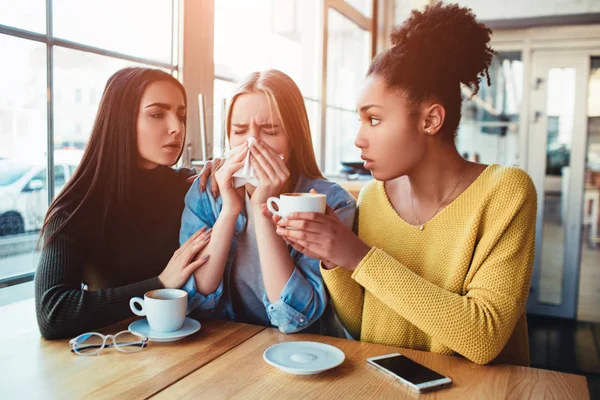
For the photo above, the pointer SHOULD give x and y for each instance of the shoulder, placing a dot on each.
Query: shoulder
(510, 182)
(370, 192)
(179, 175)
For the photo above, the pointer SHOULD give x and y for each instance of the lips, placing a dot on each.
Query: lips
(173, 145)
(368, 162)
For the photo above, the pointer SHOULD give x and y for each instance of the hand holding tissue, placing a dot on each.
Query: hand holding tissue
(245, 174)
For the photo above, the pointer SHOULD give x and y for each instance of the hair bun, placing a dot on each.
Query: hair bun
(449, 40)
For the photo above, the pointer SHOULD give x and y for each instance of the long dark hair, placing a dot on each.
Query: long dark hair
(434, 52)
(104, 174)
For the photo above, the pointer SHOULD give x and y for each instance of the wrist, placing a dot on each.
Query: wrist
(358, 256)
(228, 214)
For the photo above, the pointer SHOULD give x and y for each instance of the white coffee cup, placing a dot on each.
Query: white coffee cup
(289, 203)
(164, 308)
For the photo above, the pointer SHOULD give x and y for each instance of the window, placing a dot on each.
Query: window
(349, 49)
(254, 35)
(489, 127)
(79, 72)
(25, 14)
(91, 41)
(402, 10)
(364, 6)
(222, 93)
(77, 96)
(141, 28)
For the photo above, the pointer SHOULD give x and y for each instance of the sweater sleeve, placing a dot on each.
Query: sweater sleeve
(347, 298)
(479, 323)
(346, 295)
(63, 307)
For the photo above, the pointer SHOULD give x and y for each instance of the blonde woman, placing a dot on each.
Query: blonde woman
(252, 274)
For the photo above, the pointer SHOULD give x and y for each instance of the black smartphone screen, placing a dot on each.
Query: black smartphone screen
(408, 370)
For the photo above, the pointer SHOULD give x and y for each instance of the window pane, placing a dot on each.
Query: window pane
(222, 93)
(364, 6)
(22, 158)
(402, 10)
(342, 126)
(141, 28)
(314, 119)
(589, 295)
(22, 135)
(348, 56)
(254, 35)
(79, 78)
(24, 14)
(489, 128)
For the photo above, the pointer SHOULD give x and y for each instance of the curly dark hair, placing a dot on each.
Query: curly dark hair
(433, 52)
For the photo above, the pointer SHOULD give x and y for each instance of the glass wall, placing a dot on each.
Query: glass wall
(58, 68)
(90, 41)
(489, 128)
(589, 283)
(255, 35)
(348, 58)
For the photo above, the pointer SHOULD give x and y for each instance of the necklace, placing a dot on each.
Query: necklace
(412, 203)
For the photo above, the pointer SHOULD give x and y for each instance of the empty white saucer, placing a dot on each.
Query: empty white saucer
(304, 358)
(141, 327)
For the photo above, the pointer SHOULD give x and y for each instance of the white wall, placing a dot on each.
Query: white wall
(507, 9)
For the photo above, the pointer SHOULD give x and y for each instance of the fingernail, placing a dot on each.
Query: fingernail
(282, 157)
(206, 257)
(279, 231)
(283, 221)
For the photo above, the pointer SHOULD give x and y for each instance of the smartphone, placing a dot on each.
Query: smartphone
(410, 373)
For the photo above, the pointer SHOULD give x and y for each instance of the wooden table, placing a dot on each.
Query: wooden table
(355, 379)
(224, 360)
(36, 368)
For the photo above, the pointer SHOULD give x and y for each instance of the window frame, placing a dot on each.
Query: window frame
(50, 41)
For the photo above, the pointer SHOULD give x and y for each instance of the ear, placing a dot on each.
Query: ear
(434, 115)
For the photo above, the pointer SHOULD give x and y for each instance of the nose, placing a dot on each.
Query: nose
(254, 131)
(176, 125)
(361, 140)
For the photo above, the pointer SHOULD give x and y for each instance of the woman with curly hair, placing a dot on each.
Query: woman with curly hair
(445, 247)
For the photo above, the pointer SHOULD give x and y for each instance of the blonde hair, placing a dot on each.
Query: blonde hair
(284, 96)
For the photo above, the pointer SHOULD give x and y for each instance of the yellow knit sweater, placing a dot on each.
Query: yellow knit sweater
(457, 287)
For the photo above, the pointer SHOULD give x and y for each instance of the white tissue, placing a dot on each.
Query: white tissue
(245, 174)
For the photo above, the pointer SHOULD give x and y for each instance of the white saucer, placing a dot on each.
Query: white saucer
(304, 358)
(141, 327)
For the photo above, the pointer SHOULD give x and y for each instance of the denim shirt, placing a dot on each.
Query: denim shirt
(303, 299)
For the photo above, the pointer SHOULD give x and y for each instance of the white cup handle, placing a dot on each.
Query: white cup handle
(139, 301)
(270, 202)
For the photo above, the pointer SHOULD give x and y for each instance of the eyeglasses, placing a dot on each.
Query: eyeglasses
(92, 343)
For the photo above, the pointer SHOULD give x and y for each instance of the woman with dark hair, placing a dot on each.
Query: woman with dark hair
(445, 247)
(112, 232)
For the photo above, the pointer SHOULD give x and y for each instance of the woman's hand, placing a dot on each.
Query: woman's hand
(233, 201)
(182, 264)
(271, 171)
(323, 237)
(208, 171)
